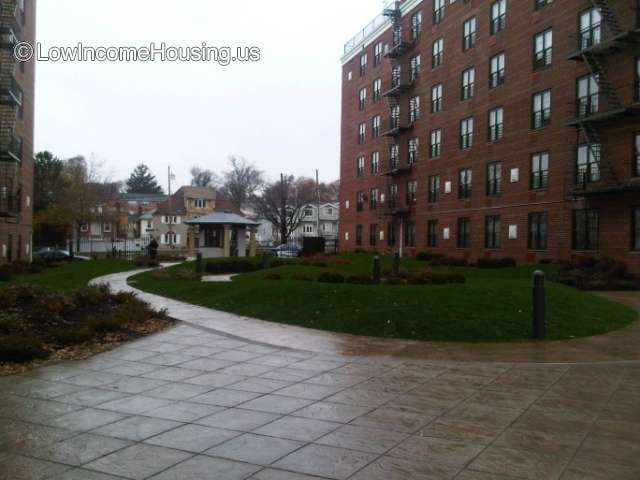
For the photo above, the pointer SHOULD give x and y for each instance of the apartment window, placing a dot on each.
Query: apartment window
(434, 189)
(363, 65)
(496, 124)
(391, 235)
(359, 235)
(541, 110)
(498, 16)
(636, 154)
(395, 117)
(377, 54)
(539, 4)
(435, 148)
(106, 228)
(466, 133)
(308, 212)
(465, 183)
(492, 231)
(362, 133)
(394, 157)
(412, 192)
(416, 25)
(436, 98)
(464, 233)
(413, 150)
(377, 90)
(200, 203)
(359, 201)
(635, 228)
(590, 28)
(308, 229)
(393, 196)
(496, 70)
(416, 64)
(432, 233)
(588, 96)
(376, 122)
(543, 49)
(396, 76)
(360, 167)
(494, 178)
(469, 33)
(374, 197)
(362, 96)
(538, 230)
(437, 52)
(539, 170)
(375, 163)
(468, 83)
(585, 229)
(373, 234)
(438, 11)
(414, 109)
(410, 234)
(588, 164)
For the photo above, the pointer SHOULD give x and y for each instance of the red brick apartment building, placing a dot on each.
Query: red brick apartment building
(17, 82)
(479, 128)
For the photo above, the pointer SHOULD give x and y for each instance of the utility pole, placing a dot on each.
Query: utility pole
(170, 209)
(318, 206)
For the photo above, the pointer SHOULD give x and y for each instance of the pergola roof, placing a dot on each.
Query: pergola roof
(223, 218)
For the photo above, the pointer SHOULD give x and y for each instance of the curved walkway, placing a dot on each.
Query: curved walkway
(620, 346)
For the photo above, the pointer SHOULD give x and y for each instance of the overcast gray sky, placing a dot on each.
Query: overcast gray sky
(282, 113)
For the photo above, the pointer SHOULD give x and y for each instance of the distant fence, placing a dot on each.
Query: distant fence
(117, 248)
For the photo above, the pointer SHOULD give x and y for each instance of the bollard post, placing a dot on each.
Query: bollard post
(199, 264)
(376, 270)
(539, 306)
(396, 264)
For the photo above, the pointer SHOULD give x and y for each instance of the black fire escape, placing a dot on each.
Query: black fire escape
(11, 100)
(597, 43)
(403, 77)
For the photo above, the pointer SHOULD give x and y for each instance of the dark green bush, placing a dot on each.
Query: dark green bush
(303, 277)
(5, 273)
(428, 256)
(443, 278)
(8, 298)
(272, 276)
(331, 277)
(230, 265)
(107, 324)
(359, 279)
(283, 262)
(36, 268)
(19, 267)
(589, 273)
(92, 296)
(168, 257)
(10, 323)
(51, 308)
(20, 349)
(506, 262)
(72, 335)
(146, 262)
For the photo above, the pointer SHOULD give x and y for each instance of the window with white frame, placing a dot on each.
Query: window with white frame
(496, 70)
(414, 109)
(435, 147)
(496, 124)
(438, 11)
(543, 49)
(437, 53)
(375, 163)
(376, 123)
(588, 164)
(377, 90)
(394, 157)
(200, 203)
(360, 167)
(588, 96)
(362, 133)
(469, 33)
(437, 98)
(377, 54)
(498, 16)
(363, 64)
(416, 63)
(413, 150)
(466, 133)
(541, 115)
(362, 98)
(468, 83)
(416, 25)
(590, 28)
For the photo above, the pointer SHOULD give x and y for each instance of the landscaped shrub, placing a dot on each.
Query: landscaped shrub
(107, 324)
(92, 296)
(443, 278)
(342, 261)
(273, 276)
(506, 262)
(19, 267)
(589, 273)
(428, 256)
(303, 277)
(72, 335)
(359, 279)
(283, 262)
(51, 308)
(8, 298)
(36, 268)
(232, 265)
(331, 277)
(168, 257)
(5, 273)
(146, 262)
(20, 349)
(9, 323)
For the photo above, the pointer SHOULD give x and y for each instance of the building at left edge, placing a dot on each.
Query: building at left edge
(17, 84)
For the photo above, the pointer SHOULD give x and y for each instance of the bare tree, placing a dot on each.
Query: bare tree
(201, 177)
(242, 181)
(282, 203)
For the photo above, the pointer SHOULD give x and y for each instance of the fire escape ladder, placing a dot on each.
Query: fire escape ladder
(607, 172)
(609, 17)
(606, 91)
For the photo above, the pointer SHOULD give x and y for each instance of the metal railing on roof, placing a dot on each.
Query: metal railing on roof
(371, 27)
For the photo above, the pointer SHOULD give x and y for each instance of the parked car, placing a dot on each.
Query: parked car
(287, 251)
(53, 255)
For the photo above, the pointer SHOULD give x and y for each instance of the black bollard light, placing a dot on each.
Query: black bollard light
(539, 306)
(199, 264)
(376, 270)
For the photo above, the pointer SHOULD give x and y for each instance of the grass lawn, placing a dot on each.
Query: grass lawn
(493, 305)
(70, 276)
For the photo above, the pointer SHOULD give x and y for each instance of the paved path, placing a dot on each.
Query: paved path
(194, 404)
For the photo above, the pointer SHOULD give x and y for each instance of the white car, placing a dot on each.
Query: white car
(287, 251)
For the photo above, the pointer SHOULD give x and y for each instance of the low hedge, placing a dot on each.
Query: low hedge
(230, 265)
(506, 262)
(331, 277)
(590, 273)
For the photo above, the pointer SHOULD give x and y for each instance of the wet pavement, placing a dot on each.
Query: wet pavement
(195, 403)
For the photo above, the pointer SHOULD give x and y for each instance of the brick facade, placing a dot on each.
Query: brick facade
(612, 196)
(16, 169)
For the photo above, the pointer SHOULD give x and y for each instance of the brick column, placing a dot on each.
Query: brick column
(227, 241)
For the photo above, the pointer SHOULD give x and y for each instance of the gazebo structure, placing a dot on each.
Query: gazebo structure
(224, 234)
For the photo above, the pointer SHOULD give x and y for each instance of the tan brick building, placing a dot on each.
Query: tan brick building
(494, 128)
(17, 23)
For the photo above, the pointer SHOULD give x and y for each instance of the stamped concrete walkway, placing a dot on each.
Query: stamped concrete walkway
(194, 403)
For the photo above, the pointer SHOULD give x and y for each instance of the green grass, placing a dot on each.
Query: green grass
(70, 276)
(493, 305)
